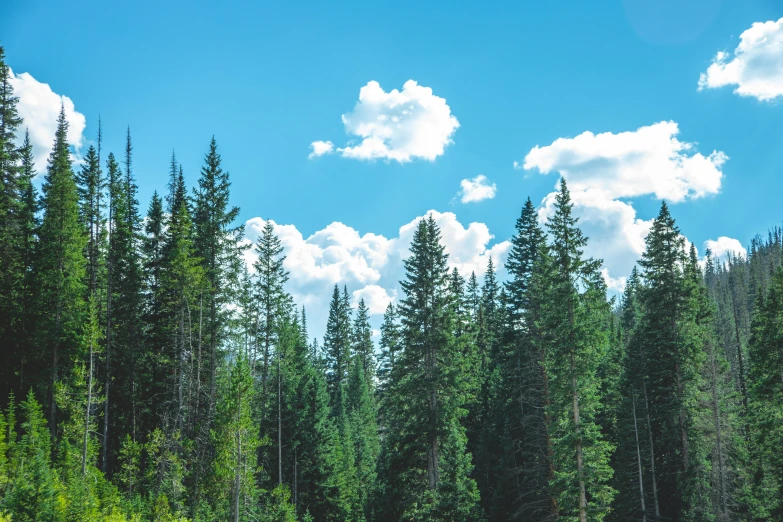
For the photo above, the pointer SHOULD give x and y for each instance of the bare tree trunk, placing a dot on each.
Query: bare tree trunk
(639, 461)
(652, 455)
(238, 475)
(279, 424)
(550, 451)
(180, 369)
(649, 435)
(87, 411)
(296, 473)
(213, 358)
(104, 448)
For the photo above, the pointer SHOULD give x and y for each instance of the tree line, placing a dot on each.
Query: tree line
(149, 374)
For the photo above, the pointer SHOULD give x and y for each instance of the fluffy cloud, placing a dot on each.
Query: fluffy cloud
(370, 265)
(396, 125)
(39, 107)
(320, 148)
(649, 160)
(603, 170)
(376, 298)
(476, 189)
(723, 246)
(755, 66)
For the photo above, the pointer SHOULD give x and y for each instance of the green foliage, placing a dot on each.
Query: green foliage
(574, 318)
(765, 394)
(188, 377)
(427, 467)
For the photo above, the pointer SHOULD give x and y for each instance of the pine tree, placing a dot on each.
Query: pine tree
(18, 342)
(60, 265)
(217, 244)
(179, 363)
(428, 467)
(337, 342)
(574, 318)
(527, 456)
(362, 415)
(90, 187)
(635, 478)
(274, 308)
(32, 495)
(389, 348)
(156, 340)
(11, 266)
(236, 443)
(363, 347)
(765, 394)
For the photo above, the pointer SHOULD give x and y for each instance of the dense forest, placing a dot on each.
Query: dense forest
(148, 374)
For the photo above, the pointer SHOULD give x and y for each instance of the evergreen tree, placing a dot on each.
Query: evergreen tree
(217, 244)
(32, 494)
(765, 394)
(18, 341)
(236, 442)
(428, 467)
(11, 267)
(90, 187)
(574, 315)
(60, 265)
(362, 417)
(363, 347)
(527, 457)
(337, 342)
(389, 348)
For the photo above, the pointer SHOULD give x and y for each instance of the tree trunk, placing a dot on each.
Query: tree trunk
(652, 456)
(104, 448)
(87, 412)
(279, 424)
(238, 475)
(639, 461)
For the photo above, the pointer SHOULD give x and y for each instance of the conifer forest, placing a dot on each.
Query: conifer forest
(149, 374)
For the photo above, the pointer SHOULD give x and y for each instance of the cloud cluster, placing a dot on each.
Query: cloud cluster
(39, 107)
(476, 189)
(370, 265)
(755, 66)
(396, 125)
(604, 170)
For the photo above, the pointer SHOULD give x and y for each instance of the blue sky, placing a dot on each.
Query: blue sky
(269, 79)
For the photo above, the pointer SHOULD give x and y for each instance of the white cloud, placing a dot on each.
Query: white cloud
(39, 107)
(476, 189)
(602, 170)
(376, 298)
(613, 283)
(755, 66)
(398, 125)
(723, 246)
(649, 160)
(320, 148)
(370, 265)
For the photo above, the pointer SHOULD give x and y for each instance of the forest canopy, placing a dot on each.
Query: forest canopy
(149, 374)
